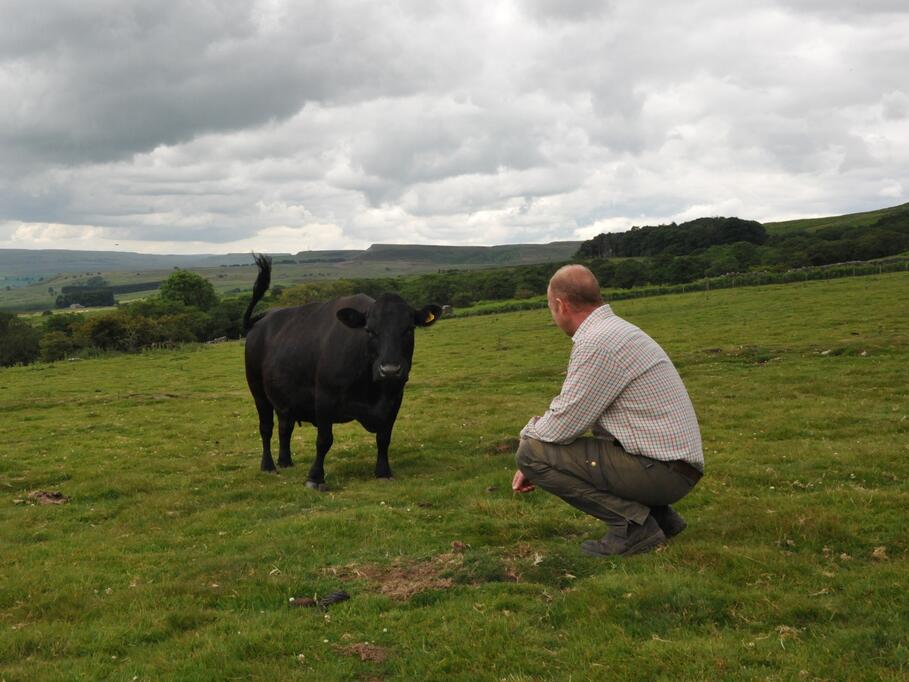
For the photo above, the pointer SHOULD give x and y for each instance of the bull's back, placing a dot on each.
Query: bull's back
(291, 351)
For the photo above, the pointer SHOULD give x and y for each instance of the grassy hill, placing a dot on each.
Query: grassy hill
(865, 219)
(175, 557)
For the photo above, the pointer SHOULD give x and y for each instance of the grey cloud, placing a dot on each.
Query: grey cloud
(895, 106)
(100, 83)
(565, 10)
(845, 8)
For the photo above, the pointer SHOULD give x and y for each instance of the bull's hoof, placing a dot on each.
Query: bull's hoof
(312, 485)
(386, 479)
(285, 465)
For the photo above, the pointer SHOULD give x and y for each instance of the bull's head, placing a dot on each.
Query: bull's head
(389, 324)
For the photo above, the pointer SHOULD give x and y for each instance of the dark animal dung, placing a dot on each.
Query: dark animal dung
(323, 603)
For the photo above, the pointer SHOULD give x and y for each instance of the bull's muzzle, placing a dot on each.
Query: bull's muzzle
(390, 371)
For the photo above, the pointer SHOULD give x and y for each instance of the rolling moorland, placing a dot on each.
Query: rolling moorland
(31, 280)
(174, 557)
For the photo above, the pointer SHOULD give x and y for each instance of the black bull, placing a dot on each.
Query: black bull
(329, 363)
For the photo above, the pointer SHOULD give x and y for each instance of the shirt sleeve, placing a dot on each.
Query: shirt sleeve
(592, 383)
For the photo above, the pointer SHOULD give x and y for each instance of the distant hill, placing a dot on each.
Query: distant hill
(35, 263)
(510, 254)
(865, 219)
(49, 262)
(31, 279)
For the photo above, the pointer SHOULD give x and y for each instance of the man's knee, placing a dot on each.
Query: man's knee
(529, 454)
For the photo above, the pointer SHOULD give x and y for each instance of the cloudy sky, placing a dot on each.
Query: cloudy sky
(188, 126)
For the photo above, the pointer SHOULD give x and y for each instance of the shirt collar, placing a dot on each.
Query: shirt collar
(600, 313)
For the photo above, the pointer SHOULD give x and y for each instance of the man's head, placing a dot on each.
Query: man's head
(573, 294)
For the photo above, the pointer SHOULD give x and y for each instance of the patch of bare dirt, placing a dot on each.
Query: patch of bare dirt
(43, 497)
(366, 651)
(401, 579)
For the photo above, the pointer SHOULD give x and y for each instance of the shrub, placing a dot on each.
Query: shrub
(56, 346)
(105, 332)
(18, 341)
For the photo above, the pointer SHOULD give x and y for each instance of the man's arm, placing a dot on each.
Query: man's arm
(591, 384)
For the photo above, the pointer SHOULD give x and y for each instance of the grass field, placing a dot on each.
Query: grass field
(175, 557)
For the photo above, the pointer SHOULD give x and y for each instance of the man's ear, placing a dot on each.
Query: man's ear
(352, 318)
(427, 316)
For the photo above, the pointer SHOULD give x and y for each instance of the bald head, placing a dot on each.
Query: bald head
(577, 286)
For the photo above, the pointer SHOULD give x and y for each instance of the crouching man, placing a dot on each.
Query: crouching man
(645, 452)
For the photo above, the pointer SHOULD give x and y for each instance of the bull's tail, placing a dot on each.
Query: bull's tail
(263, 281)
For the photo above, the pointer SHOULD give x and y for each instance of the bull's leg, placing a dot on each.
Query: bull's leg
(266, 428)
(285, 431)
(316, 479)
(383, 440)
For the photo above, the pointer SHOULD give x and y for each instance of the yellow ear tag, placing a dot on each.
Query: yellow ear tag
(430, 318)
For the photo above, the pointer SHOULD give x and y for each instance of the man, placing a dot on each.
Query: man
(645, 452)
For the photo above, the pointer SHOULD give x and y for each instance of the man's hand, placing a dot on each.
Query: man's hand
(520, 483)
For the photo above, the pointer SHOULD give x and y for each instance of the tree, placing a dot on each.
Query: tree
(105, 332)
(18, 341)
(190, 289)
(629, 273)
(56, 346)
(67, 323)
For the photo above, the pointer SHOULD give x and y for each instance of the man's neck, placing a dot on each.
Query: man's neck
(578, 317)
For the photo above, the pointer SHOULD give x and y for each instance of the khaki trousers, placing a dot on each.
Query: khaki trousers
(598, 477)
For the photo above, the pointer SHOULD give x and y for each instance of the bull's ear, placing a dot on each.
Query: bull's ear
(352, 318)
(426, 316)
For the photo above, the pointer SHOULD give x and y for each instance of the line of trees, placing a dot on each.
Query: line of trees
(706, 237)
(187, 310)
(672, 239)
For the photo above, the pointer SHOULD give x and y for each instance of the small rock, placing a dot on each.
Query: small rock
(879, 553)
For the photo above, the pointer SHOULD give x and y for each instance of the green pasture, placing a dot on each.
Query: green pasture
(175, 558)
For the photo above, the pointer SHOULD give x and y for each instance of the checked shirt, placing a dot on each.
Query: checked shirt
(620, 384)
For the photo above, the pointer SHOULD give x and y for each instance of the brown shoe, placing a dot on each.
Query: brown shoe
(632, 539)
(669, 520)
